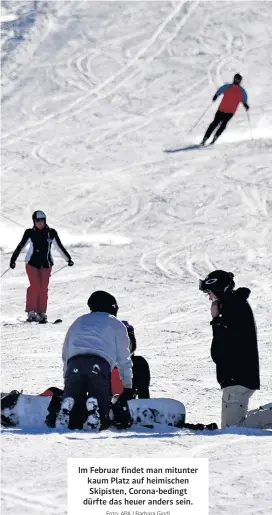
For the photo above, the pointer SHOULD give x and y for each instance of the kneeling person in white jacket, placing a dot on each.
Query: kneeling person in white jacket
(94, 344)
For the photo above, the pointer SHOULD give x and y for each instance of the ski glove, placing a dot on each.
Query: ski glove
(246, 106)
(217, 320)
(70, 262)
(12, 265)
(214, 98)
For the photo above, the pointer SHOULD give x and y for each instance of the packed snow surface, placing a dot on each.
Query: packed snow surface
(93, 93)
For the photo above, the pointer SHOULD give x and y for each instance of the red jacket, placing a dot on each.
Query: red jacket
(233, 94)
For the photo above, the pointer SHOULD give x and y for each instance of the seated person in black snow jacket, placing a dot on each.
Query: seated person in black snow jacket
(234, 347)
(140, 370)
(39, 264)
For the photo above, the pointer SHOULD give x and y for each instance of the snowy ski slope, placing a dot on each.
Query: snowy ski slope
(93, 92)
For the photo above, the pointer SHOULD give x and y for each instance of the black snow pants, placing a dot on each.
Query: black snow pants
(220, 119)
(87, 376)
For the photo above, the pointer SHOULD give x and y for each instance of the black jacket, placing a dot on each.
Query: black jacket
(40, 250)
(140, 377)
(234, 347)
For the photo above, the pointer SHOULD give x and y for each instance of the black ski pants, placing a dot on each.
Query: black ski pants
(87, 376)
(220, 119)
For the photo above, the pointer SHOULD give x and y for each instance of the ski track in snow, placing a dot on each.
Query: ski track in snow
(102, 86)
(92, 95)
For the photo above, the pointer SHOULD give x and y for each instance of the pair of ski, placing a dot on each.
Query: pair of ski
(42, 322)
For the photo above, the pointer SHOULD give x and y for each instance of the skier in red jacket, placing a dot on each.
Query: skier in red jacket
(233, 94)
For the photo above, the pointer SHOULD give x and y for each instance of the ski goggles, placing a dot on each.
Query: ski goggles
(203, 286)
(40, 220)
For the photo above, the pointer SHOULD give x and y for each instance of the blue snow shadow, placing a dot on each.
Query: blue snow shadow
(158, 430)
(140, 432)
(176, 432)
(15, 31)
(183, 149)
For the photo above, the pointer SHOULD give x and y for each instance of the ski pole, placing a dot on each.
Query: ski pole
(249, 123)
(7, 270)
(59, 270)
(199, 119)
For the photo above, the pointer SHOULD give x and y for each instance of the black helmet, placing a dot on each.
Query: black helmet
(38, 215)
(103, 301)
(217, 282)
(237, 79)
(131, 334)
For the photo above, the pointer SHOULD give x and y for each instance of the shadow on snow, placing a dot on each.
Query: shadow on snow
(158, 431)
(182, 149)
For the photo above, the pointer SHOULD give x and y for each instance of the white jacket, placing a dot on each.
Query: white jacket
(103, 335)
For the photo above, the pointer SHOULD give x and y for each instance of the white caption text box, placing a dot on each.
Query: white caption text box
(138, 486)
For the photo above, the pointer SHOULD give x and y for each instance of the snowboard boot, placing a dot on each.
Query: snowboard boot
(50, 420)
(201, 427)
(212, 427)
(63, 418)
(42, 318)
(9, 400)
(120, 414)
(32, 316)
(8, 403)
(54, 406)
(214, 139)
(203, 141)
(93, 420)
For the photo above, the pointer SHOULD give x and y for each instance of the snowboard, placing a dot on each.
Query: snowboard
(30, 411)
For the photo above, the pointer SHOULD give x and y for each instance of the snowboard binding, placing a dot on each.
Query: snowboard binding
(93, 420)
(8, 402)
(63, 418)
(120, 414)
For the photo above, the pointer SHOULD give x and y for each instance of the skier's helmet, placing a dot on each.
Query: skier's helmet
(237, 79)
(218, 282)
(38, 215)
(131, 334)
(103, 301)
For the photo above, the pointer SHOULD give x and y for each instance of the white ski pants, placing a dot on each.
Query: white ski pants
(235, 401)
